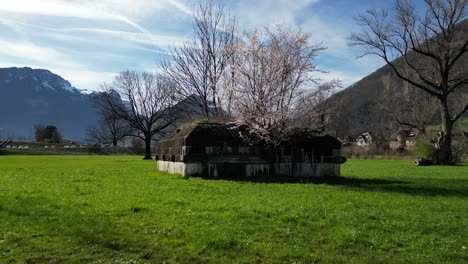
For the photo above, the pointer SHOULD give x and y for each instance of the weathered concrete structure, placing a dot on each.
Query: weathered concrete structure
(214, 150)
(305, 155)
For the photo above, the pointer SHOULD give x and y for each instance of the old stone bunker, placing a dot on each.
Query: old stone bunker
(217, 150)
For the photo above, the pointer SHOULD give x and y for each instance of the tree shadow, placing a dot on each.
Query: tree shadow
(95, 233)
(414, 187)
(312, 180)
(420, 190)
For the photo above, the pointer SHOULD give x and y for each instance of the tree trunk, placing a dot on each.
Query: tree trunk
(147, 147)
(207, 110)
(215, 110)
(443, 149)
(272, 157)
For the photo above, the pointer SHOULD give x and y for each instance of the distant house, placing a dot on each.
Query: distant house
(364, 140)
(217, 150)
(402, 142)
(397, 144)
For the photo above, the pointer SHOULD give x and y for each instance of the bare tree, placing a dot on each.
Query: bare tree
(430, 46)
(146, 105)
(409, 107)
(111, 130)
(198, 66)
(271, 74)
(315, 110)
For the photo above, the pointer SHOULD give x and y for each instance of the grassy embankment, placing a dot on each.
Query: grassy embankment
(118, 209)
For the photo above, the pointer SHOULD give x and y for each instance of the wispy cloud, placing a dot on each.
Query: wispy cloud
(94, 39)
(265, 12)
(145, 38)
(31, 52)
(84, 79)
(181, 6)
(50, 43)
(64, 9)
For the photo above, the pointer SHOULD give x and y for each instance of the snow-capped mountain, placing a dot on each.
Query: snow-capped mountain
(35, 96)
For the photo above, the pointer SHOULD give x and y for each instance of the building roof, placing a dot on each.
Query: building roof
(200, 134)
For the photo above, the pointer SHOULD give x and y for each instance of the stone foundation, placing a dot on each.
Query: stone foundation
(300, 170)
(184, 169)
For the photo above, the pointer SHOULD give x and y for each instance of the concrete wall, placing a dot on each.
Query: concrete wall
(184, 169)
(251, 170)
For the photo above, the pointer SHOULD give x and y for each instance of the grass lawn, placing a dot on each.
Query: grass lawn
(119, 209)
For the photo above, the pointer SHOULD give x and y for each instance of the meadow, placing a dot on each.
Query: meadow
(119, 209)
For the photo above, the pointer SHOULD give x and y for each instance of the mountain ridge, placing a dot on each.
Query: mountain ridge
(39, 96)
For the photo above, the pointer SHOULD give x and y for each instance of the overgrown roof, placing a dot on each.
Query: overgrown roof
(203, 133)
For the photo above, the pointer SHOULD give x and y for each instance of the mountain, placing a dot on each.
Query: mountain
(37, 96)
(357, 109)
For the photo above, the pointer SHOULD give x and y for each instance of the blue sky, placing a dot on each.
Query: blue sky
(89, 41)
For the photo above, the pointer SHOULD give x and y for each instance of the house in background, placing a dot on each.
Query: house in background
(403, 141)
(364, 140)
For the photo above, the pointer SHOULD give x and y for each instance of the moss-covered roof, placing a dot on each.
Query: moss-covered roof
(202, 133)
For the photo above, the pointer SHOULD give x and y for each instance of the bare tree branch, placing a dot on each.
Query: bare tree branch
(431, 46)
(198, 67)
(146, 103)
(111, 130)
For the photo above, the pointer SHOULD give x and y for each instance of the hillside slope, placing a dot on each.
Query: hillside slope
(357, 108)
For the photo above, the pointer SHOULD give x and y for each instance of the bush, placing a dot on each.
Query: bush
(370, 152)
(423, 149)
(47, 134)
(460, 150)
(95, 149)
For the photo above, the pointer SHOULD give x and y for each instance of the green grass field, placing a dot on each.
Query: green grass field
(119, 209)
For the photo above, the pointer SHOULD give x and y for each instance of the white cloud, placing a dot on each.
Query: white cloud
(130, 32)
(139, 9)
(41, 21)
(126, 11)
(65, 9)
(82, 79)
(347, 78)
(30, 52)
(253, 14)
(333, 36)
(182, 7)
(72, 34)
(140, 38)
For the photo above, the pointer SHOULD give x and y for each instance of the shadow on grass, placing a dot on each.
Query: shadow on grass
(95, 232)
(313, 180)
(423, 188)
(420, 190)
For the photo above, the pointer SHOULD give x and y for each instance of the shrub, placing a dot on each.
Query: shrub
(47, 134)
(95, 149)
(460, 150)
(423, 149)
